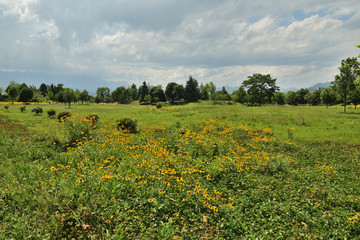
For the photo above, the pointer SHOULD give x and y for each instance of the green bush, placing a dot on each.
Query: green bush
(6, 106)
(37, 110)
(127, 124)
(22, 108)
(62, 115)
(161, 104)
(51, 113)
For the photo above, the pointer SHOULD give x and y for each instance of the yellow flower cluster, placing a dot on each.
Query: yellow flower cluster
(181, 161)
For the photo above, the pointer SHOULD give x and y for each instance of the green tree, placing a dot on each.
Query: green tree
(328, 97)
(25, 94)
(344, 82)
(143, 91)
(134, 92)
(84, 96)
(69, 95)
(301, 96)
(192, 91)
(291, 98)
(355, 96)
(43, 89)
(121, 95)
(102, 95)
(170, 91)
(314, 98)
(12, 92)
(260, 88)
(278, 98)
(157, 94)
(239, 95)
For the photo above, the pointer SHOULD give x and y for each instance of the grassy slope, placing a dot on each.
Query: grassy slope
(315, 196)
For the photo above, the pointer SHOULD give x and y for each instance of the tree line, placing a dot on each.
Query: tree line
(257, 90)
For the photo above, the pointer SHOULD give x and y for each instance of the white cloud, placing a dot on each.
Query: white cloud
(298, 42)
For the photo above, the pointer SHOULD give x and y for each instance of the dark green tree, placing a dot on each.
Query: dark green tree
(84, 96)
(260, 88)
(134, 92)
(291, 98)
(301, 96)
(314, 98)
(192, 91)
(69, 95)
(278, 98)
(239, 95)
(157, 94)
(328, 97)
(143, 91)
(344, 82)
(43, 89)
(102, 95)
(170, 92)
(121, 95)
(12, 92)
(25, 94)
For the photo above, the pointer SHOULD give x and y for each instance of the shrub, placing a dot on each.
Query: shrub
(161, 104)
(6, 106)
(37, 110)
(51, 113)
(62, 115)
(127, 124)
(22, 108)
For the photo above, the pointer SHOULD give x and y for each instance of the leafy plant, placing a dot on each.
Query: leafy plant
(63, 115)
(6, 106)
(22, 108)
(127, 124)
(51, 113)
(37, 110)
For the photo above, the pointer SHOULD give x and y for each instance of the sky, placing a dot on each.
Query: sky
(298, 42)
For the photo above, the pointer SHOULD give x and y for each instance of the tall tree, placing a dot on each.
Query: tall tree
(260, 88)
(328, 96)
(102, 95)
(43, 89)
(12, 91)
(278, 98)
(121, 95)
(84, 96)
(143, 92)
(134, 92)
(170, 91)
(192, 91)
(157, 94)
(25, 94)
(344, 82)
(69, 95)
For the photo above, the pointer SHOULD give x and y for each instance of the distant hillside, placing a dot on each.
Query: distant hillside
(319, 85)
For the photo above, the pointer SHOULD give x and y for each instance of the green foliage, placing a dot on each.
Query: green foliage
(12, 92)
(69, 95)
(121, 95)
(22, 108)
(6, 107)
(240, 95)
(260, 88)
(192, 91)
(127, 124)
(37, 110)
(26, 94)
(63, 115)
(102, 95)
(328, 96)
(143, 92)
(51, 113)
(344, 83)
(278, 98)
(161, 104)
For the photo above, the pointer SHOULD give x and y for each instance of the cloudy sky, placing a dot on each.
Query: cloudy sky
(299, 42)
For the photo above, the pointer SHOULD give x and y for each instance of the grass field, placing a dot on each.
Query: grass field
(196, 171)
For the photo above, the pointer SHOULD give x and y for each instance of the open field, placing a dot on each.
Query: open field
(192, 171)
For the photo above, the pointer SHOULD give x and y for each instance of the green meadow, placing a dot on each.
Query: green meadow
(194, 171)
